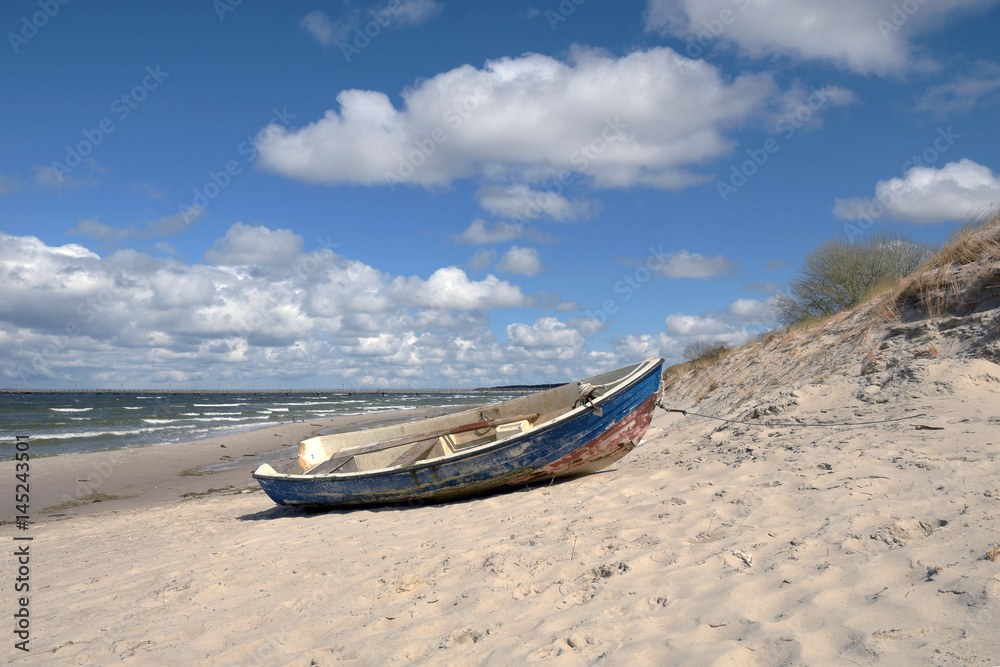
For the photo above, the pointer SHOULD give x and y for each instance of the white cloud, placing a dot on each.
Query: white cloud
(478, 233)
(522, 202)
(319, 26)
(547, 332)
(647, 118)
(394, 14)
(482, 259)
(643, 346)
(980, 88)
(865, 36)
(165, 226)
(686, 329)
(69, 316)
(926, 195)
(415, 12)
(684, 264)
(800, 108)
(522, 261)
(450, 288)
(750, 311)
(96, 229)
(49, 177)
(245, 245)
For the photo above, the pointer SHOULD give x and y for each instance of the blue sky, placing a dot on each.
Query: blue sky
(430, 193)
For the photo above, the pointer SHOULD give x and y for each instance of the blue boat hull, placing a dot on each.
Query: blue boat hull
(584, 441)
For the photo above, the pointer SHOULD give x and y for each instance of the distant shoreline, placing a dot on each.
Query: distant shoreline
(287, 392)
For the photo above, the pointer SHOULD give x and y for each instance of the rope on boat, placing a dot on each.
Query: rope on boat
(660, 404)
(588, 392)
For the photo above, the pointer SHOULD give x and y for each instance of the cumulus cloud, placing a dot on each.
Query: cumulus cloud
(750, 311)
(925, 195)
(684, 264)
(648, 118)
(266, 310)
(521, 261)
(521, 202)
(548, 338)
(247, 245)
(686, 329)
(865, 36)
(451, 288)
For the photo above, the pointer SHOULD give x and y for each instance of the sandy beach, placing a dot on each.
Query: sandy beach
(712, 543)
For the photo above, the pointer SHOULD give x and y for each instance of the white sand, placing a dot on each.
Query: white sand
(860, 545)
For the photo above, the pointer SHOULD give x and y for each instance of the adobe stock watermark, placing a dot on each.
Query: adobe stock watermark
(121, 107)
(566, 9)
(714, 28)
(875, 209)
(629, 284)
(260, 313)
(582, 158)
(788, 126)
(455, 116)
(900, 16)
(31, 25)
(217, 181)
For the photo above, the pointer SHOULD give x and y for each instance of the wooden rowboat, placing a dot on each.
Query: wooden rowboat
(574, 429)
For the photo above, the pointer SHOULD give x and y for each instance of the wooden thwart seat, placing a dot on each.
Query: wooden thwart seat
(422, 443)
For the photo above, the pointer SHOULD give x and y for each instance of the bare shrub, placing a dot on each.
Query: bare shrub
(841, 274)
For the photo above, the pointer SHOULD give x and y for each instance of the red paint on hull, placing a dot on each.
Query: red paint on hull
(603, 450)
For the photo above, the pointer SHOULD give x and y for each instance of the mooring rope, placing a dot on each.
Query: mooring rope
(660, 404)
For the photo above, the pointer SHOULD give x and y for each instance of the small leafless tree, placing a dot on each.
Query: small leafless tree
(840, 274)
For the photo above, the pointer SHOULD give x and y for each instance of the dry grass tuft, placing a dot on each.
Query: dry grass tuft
(993, 553)
(967, 263)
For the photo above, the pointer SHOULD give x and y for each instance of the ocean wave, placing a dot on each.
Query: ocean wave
(76, 435)
(71, 409)
(218, 405)
(308, 403)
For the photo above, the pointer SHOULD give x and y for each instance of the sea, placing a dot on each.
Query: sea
(71, 422)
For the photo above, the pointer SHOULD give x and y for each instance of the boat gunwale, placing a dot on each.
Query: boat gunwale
(640, 371)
